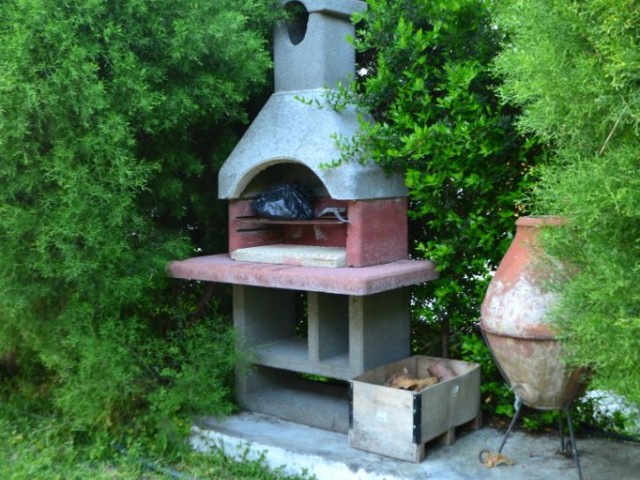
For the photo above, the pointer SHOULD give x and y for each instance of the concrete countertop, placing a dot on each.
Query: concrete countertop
(344, 280)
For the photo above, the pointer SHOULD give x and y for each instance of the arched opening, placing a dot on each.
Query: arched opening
(297, 21)
(284, 172)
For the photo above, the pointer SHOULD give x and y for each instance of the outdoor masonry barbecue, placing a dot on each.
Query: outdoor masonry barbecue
(326, 297)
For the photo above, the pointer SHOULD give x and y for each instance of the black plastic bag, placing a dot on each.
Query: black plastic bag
(287, 201)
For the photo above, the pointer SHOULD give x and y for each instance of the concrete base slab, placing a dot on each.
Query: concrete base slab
(295, 448)
(285, 254)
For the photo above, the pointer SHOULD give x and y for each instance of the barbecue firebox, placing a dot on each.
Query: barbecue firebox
(293, 140)
(322, 297)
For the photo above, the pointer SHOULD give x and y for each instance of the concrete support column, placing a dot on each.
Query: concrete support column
(380, 329)
(328, 326)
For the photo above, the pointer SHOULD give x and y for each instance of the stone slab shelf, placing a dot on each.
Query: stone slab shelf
(293, 355)
(298, 255)
(343, 281)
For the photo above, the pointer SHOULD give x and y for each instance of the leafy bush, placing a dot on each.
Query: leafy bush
(33, 448)
(110, 112)
(424, 74)
(574, 67)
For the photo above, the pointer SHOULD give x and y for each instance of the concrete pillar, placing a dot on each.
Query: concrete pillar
(380, 329)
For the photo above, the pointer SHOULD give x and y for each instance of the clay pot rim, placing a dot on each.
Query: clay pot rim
(541, 221)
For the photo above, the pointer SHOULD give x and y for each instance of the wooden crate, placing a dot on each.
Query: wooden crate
(397, 423)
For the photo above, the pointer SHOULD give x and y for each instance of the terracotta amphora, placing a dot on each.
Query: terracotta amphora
(515, 326)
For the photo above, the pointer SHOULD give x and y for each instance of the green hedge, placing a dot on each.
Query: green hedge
(111, 120)
(574, 67)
